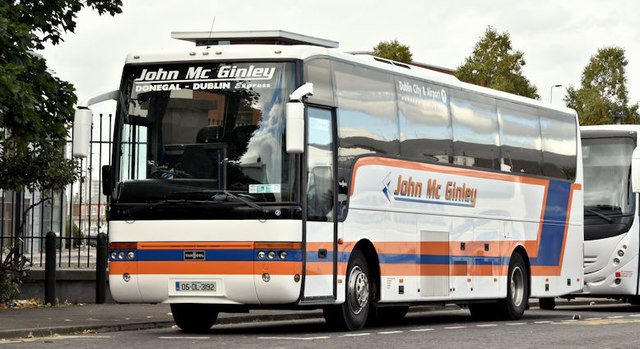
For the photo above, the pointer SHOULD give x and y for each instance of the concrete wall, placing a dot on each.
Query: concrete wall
(72, 285)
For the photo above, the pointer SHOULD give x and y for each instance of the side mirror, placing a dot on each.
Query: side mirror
(635, 170)
(82, 132)
(294, 115)
(294, 127)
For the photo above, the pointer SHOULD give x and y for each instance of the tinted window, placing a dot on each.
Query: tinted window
(425, 125)
(475, 130)
(367, 114)
(520, 138)
(558, 144)
(318, 72)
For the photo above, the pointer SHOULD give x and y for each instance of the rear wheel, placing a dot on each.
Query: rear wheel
(194, 318)
(513, 307)
(352, 314)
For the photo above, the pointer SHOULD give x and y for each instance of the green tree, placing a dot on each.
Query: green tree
(393, 50)
(36, 107)
(603, 94)
(494, 64)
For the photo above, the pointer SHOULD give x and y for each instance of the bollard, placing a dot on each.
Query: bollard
(101, 268)
(50, 269)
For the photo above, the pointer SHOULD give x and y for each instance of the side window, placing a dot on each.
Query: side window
(320, 182)
(521, 147)
(475, 130)
(368, 115)
(318, 72)
(424, 121)
(559, 133)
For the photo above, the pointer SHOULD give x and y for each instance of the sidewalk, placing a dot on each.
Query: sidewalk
(42, 322)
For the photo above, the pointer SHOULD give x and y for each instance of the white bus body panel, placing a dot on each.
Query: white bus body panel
(157, 287)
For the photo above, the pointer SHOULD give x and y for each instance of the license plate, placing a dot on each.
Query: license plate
(195, 286)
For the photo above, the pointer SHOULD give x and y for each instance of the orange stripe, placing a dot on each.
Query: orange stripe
(319, 268)
(202, 267)
(278, 245)
(195, 245)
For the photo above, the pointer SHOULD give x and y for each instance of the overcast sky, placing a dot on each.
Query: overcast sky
(557, 37)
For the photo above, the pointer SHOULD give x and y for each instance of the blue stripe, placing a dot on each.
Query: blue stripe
(553, 227)
(215, 255)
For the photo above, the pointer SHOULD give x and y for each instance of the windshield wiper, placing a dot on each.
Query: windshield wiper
(225, 195)
(599, 215)
(164, 202)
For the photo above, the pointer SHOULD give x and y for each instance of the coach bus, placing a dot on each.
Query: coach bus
(297, 176)
(611, 237)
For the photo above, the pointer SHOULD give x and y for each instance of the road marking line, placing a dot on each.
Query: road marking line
(593, 318)
(357, 334)
(635, 315)
(297, 338)
(178, 337)
(83, 336)
(515, 323)
(487, 325)
(422, 330)
(542, 322)
(390, 332)
(615, 317)
(455, 327)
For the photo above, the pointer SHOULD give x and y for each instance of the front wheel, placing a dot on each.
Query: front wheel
(352, 314)
(512, 307)
(194, 318)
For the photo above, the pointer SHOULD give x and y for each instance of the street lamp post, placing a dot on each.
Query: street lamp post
(551, 94)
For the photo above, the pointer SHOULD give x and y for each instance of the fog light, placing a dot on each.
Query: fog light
(616, 261)
(617, 281)
(114, 255)
(283, 254)
(130, 255)
(261, 255)
(266, 277)
(271, 255)
(121, 255)
(620, 253)
(126, 277)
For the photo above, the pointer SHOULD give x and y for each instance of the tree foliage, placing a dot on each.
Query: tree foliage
(394, 51)
(603, 93)
(494, 64)
(35, 106)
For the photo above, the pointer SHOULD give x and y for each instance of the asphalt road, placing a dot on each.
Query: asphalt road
(600, 326)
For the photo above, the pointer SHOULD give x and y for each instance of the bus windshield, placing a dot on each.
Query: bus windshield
(607, 166)
(189, 130)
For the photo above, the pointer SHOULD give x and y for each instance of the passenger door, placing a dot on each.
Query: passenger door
(321, 226)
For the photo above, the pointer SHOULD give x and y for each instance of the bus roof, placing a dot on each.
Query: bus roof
(269, 37)
(293, 51)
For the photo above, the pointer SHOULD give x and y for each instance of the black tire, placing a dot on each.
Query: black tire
(194, 318)
(352, 314)
(547, 303)
(513, 307)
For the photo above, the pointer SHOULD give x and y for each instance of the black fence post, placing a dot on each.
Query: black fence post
(101, 268)
(50, 269)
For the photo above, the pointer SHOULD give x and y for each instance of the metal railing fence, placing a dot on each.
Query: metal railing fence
(76, 215)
